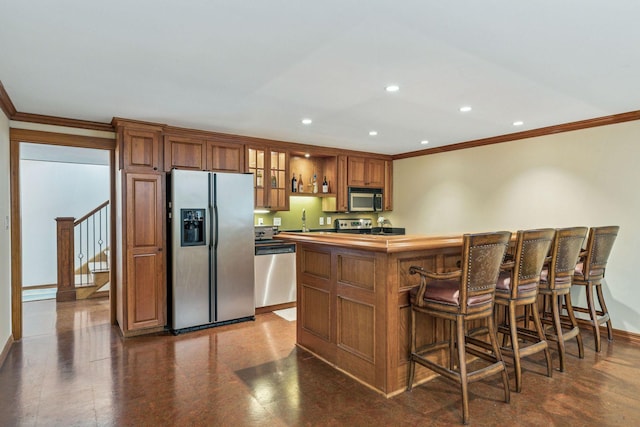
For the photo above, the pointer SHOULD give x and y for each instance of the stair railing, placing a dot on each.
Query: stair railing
(82, 247)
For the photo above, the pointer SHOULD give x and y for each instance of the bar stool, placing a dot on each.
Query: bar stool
(461, 296)
(518, 287)
(590, 272)
(555, 285)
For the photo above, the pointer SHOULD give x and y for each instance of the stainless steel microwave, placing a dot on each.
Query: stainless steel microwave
(365, 199)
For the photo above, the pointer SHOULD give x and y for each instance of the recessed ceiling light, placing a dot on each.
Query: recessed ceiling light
(307, 155)
(307, 121)
(465, 108)
(518, 123)
(392, 88)
(424, 142)
(373, 133)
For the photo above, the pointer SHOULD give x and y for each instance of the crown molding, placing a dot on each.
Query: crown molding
(62, 121)
(5, 103)
(549, 130)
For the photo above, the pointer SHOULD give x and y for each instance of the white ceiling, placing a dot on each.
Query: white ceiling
(258, 67)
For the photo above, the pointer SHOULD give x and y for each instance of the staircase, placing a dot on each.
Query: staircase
(92, 277)
(83, 255)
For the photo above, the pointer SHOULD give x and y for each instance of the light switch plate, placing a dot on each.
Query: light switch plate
(321, 220)
(328, 220)
(260, 221)
(277, 221)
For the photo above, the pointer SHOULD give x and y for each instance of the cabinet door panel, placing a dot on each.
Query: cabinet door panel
(144, 240)
(143, 292)
(356, 171)
(141, 149)
(225, 157)
(374, 176)
(184, 153)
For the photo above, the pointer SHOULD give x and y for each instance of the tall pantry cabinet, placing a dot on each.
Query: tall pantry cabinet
(140, 253)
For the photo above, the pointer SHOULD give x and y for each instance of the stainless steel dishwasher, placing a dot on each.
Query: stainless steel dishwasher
(275, 270)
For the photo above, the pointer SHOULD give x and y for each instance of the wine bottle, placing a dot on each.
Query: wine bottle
(294, 184)
(325, 185)
(300, 185)
(315, 183)
(274, 181)
(259, 178)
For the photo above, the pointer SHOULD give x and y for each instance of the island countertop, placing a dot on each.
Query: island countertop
(375, 242)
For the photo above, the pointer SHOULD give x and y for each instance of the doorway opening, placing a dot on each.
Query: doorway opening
(60, 177)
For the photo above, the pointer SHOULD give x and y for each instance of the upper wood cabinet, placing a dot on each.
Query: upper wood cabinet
(141, 149)
(270, 169)
(200, 154)
(365, 172)
(184, 153)
(224, 157)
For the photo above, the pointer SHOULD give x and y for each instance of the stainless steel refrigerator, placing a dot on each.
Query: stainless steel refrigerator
(212, 249)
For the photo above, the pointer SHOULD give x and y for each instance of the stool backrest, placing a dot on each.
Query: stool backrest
(599, 245)
(565, 251)
(482, 256)
(532, 248)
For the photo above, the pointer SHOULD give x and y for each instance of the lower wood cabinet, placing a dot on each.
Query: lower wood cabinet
(141, 289)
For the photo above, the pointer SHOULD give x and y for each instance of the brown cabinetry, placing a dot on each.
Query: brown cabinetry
(366, 172)
(142, 288)
(270, 169)
(225, 157)
(141, 149)
(183, 152)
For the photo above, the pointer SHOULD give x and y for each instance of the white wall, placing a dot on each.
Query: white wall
(5, 235)
(588, 177)
(49, 190)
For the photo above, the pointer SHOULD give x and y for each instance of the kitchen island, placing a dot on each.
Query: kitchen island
(353, 301)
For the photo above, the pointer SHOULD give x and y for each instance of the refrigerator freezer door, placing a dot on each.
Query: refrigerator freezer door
(190, 288)
(233, 255)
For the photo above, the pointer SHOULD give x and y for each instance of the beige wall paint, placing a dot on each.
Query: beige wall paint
(588, 177)
(5, 235)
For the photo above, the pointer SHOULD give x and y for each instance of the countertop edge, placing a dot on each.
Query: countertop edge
(375, 243)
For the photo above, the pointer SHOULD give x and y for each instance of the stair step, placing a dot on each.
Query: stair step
(98, 266)
(101, 277)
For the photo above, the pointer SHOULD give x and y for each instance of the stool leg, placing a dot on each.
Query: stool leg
(555, 313)
(605, 311)
(496, 350)
(462, 363)
(574, 324)
(412, 363)
(538, 325)
(593, 315)
(515, 345)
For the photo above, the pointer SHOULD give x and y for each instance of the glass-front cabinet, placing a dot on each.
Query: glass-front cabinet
(270, 168)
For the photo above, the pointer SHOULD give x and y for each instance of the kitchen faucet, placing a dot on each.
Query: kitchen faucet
(304, 220)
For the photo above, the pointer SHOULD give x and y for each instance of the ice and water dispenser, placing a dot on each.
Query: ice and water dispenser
(193, 229)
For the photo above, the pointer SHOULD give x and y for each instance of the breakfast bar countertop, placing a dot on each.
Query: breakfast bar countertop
(375, 242)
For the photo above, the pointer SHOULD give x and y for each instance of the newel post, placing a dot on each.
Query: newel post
(66, 276)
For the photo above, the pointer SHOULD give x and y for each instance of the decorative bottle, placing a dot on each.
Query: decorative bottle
(315, 183)
(300, 185)
(294, 184)
(325, 185)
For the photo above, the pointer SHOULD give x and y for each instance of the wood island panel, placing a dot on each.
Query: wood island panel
(353, 309)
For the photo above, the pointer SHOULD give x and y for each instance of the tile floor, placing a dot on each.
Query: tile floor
(73, 369)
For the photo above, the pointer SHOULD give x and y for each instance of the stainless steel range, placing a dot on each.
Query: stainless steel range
(364, 226)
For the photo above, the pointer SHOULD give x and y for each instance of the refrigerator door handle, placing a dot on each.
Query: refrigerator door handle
(215, 212)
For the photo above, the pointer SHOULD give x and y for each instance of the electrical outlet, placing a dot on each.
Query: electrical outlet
(277, 221)
(260, 221)
(328, 220)
(321, 220)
